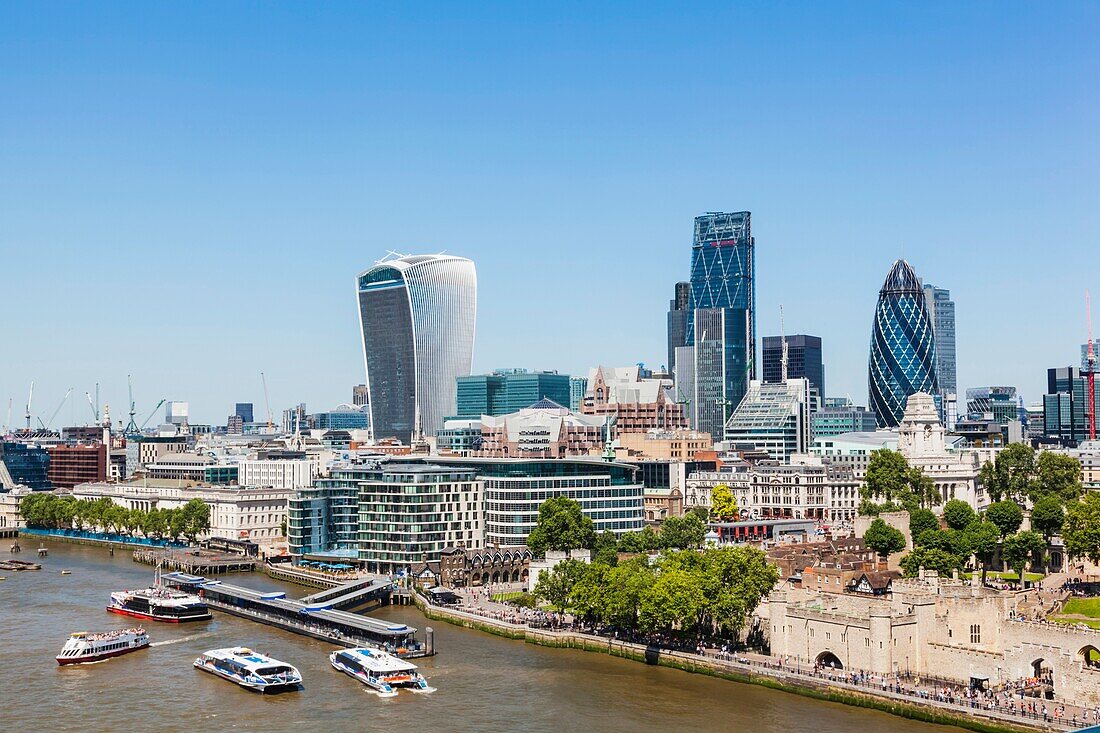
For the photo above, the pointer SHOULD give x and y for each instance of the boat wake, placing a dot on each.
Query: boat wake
(166, 642)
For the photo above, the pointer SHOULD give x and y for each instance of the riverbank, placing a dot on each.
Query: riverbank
(96, 539)
(816, 686)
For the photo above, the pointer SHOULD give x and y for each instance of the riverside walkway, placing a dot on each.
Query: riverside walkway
(948, 697)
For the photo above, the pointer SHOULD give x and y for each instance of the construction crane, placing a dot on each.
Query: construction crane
(1090, 369)
(95, 411)
(49, 423)
(154, 412)
(267, 403)
(30, 396)
(131, 427)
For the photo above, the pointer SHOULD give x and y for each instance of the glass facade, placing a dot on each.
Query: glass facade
(1065, 406)
(678, 309)
(709, 404)
(502, 394)
(417, 319)
(803, 360)
(942, 310)
(577, 387)
(340, 420)
(903, 349)
(830, 421)
(723, 263)
(28, 465)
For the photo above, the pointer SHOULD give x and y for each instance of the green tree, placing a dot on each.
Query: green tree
(627, 584)
(682, 533)
(884, 539)
(196, 519)
(1021, 549)
(561, 526)
(700, 511)
(1048, 515)
(177, 523)
(156, 523)
(606, 549)
(958, 514)
(555, 586)
(1081, 530)
(723, 505)
(982, 539)
(921, 520)
(887, 475)
(1006, 516)
(589, 594)
(636, 542)
(675, 599)
(1011, 475)
(922, 491)
(949, 540)
(1057, 475)
(931, 558)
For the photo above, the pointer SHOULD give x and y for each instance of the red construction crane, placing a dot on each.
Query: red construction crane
(1090, 366)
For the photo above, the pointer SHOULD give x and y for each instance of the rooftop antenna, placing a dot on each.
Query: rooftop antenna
(1090, 365)
(267, 402)
(783, 361)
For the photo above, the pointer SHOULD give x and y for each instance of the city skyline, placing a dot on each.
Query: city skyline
(182, 204)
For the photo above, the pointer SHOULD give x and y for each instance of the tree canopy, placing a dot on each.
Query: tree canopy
(682, 533)
(1011, 474)
(1057, 475)
(1021, 549)
(884, 539)
(561, 525)
(1047, 516)
(1006, 515)
(982, 539)
(1081, 530)
(890, 479)
(921, 520)
(50, 511)
(723, 505)
(958, 514)
(931, 558)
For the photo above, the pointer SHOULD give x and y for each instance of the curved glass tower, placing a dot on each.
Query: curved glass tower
(903, 346)
(416, 316)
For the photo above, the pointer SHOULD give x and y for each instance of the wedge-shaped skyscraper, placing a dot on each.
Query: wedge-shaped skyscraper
(903, 346)
(416, 314)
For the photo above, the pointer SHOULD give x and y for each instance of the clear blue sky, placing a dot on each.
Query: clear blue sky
(188, 190)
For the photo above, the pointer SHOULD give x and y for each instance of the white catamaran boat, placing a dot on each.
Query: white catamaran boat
(379, 670)
(159, 603)
(250, 669)
(82, 647)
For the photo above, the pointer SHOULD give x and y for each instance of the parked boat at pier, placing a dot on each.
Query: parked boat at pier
(83, 647)
(159, 604)
(19, 565)
(249, 669)
(379, 670)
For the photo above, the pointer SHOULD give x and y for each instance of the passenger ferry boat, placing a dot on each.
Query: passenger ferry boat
(379, 670)
(159, 604)
(82, 647)
(250, 669)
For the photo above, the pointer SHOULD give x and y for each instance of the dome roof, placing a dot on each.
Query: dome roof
(901, 279)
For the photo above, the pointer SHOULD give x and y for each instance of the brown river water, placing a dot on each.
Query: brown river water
(482, 682)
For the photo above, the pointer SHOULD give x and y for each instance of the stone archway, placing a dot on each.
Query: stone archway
(1089, 656)
(828, 659)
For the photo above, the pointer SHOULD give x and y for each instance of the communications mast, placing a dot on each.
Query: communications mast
(1090, 369)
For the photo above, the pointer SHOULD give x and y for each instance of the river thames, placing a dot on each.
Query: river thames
(482, 682)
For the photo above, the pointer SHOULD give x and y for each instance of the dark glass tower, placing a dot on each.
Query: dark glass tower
(723, 262)
(678, 309)
(903, 346)
(803, 360)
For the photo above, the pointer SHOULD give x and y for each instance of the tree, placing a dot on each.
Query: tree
(177, 523)
(636, 542)
(887, 475)
(156, 523)
(1021, 549)
(700, 511)
(606, 549)
(555, 586)
(884, 539)
(674, 599)
(949, 540)
(1081, 530)
(723, 505)
(589, 594)
(922, 491)
(196, 519)
(1047, 516)
(682, 533)
(982, 539)
(931, 558)
(958, 514)
(921, 520)
(627, 584)
(561, 526)
(1006, 515)
(1011, 475)
(1057, 475)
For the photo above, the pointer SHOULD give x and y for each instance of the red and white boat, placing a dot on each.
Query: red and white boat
(83, 647)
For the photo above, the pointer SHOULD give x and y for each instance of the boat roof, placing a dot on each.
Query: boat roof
(378, 661)
(244, 655)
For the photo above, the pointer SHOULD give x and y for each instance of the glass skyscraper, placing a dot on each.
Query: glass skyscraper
(416, 315)
(903, 347)
(723, 264)
(678, 309)
(803, 360)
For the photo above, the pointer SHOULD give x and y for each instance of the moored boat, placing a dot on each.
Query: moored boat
(379, 670)
(249, 669)
(159, 604)
(83, 647)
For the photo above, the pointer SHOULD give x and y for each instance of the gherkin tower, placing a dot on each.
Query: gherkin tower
(903, 346)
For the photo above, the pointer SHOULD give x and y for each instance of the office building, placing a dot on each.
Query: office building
(709, 399)
(234, 425)
(903, 347)
(22, 464)
(295, 419)
(243, 410)
(678, 309)
(1065, 406)
(723, 265)
(175, 412)
(543, 430)
(76, 464)
(942, 311)
(803, 360)
(997, 404)
(632, 403)
(830, 421)
(277, 473)
(507, 391)
(774, 418)
(578, 386)
(342, 417)
(416, 315)
(359, 395)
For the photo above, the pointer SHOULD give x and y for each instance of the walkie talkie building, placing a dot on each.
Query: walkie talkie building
(903, 346)
(416, 317)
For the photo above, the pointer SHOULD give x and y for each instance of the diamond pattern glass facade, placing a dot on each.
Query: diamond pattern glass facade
(903, 346)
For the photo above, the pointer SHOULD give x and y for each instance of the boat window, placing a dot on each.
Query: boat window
(265, 671)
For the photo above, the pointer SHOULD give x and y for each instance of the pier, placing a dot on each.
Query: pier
(317, 619)
(195, 561)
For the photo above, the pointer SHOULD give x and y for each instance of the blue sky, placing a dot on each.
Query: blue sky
(188, 190)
